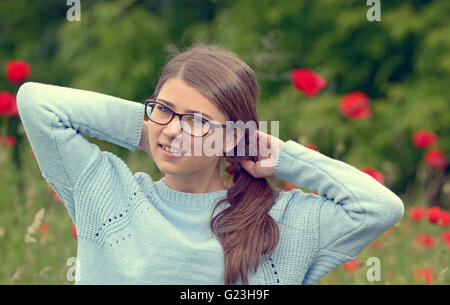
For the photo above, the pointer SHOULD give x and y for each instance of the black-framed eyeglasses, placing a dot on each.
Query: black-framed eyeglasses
(192, 124)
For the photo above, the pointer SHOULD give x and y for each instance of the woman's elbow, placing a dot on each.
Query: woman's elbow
(395, 210)
(24, 94)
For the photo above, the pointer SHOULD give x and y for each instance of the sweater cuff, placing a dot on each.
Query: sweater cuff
(133, 126)
(283, 167)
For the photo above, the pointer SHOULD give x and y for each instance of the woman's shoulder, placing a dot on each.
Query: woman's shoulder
(295, 203)
(109, 172)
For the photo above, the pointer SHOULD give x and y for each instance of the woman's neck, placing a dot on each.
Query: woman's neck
(197, 183)
(188, 185)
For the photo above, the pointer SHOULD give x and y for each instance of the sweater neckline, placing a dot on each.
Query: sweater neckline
(185, 201)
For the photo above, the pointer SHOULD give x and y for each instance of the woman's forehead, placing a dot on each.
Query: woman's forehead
(181, 97)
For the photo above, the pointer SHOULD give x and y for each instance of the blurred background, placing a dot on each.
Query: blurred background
(373, 94)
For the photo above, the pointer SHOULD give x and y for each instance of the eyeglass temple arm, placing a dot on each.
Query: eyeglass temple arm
(217, 125)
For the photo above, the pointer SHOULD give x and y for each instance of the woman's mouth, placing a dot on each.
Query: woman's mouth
(171, 152)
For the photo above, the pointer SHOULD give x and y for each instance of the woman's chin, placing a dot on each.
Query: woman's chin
(169, 168)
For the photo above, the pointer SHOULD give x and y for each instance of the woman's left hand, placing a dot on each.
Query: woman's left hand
(263, 167)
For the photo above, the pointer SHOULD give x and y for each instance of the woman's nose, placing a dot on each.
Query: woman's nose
(173, 128)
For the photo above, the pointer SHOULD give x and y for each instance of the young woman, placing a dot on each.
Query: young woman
(191, 227)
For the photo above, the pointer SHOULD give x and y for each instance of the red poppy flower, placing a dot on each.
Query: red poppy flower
(425, 239)
(43, 229)
(425, 273)
(446, 237)
(287, 186)
(444, 218)
(374, 173)
(311, 146)
(56, 197)
(423, 138)
(416, 213)
(8, 141)
(392, 276)
(307, 81)
(355, 106)
(351, 266)
(13, 111)
(434, 214)
(17, 71)
(8, 105)
(74, 231)
(377, 244)
(436, 159)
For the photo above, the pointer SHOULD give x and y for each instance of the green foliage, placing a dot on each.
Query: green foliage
(400, 62)
(110, 47)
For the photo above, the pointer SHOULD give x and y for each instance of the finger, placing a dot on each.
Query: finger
(266, 147)
(270, 144)
(249, 166)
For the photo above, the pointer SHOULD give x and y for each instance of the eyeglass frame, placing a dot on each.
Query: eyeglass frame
(180, 115)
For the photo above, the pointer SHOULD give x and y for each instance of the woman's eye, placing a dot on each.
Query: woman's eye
(163, 108)
(197, 119)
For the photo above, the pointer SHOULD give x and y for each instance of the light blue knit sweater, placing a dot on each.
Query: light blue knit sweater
(133, 230)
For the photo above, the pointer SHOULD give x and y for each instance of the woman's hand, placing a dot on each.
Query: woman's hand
(144, 143)
(267, 155)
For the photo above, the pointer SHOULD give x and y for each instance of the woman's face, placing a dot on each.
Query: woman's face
(181, 98)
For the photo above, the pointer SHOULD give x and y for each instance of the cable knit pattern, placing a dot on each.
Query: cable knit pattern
(133, 230)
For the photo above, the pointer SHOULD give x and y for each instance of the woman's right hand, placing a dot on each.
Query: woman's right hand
(144, 143)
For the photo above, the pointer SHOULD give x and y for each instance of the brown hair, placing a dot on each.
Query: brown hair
(245, 229)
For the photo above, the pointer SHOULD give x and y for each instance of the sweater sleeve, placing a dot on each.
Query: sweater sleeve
(55, 119)
(354, 207)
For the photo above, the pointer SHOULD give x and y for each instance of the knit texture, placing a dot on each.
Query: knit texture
(134, 230)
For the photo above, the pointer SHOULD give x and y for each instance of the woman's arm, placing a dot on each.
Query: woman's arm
(353, 203)
(144, 143)
(354, 207)
(55, 119)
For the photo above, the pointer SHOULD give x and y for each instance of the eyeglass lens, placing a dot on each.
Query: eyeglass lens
(190, 123)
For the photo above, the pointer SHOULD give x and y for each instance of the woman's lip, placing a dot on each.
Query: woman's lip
(170, 147)
(169, 154)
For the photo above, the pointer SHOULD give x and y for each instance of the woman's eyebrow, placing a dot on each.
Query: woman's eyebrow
(187, 111)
